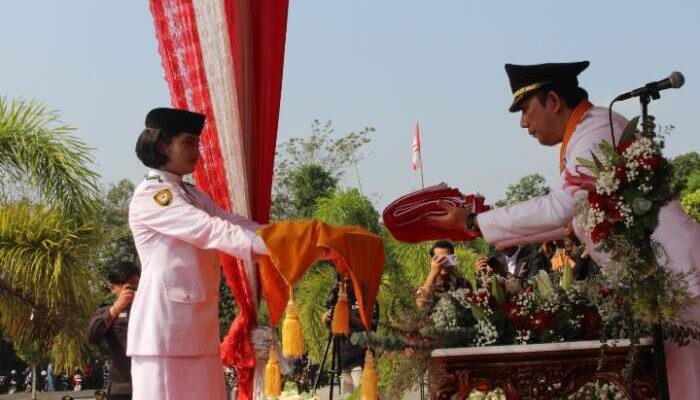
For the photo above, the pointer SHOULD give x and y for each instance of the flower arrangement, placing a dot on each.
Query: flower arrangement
(629, 185)
(501, 312)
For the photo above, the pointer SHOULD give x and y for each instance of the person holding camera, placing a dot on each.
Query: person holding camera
(442, 277)
(109, 326)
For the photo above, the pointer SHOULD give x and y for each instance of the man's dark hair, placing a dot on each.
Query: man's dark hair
(120, 272)
(572, 95)
(442, 244)
(147, 147)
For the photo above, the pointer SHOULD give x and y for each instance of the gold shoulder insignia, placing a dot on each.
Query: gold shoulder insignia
(163, 197)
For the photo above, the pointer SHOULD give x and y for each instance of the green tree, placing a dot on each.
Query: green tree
(527, 187)
(309, 183)
(333, 155)
(691, 204)
(683, 166)
(47, 234)
(114, 213)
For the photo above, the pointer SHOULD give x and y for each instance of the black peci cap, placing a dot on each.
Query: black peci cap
(175, 120)
(526, 79)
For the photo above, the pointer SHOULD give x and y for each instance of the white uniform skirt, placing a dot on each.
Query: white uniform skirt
(177, 378)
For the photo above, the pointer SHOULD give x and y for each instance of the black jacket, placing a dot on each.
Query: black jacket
(529, 262)
(114, 337)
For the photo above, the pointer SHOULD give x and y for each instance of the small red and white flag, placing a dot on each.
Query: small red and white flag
(416, 147)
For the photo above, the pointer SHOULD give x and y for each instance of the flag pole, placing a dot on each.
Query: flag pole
(420, 162)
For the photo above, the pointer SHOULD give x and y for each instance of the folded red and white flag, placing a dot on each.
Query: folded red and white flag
(404, 216)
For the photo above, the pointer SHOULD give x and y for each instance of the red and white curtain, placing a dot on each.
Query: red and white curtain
(224, 58)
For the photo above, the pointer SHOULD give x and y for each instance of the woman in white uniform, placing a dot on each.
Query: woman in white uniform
(173, 336)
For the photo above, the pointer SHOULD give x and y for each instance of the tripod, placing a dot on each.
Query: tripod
(336, 362)
(333, 344)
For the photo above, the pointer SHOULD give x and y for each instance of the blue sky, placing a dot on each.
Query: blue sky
(379, 63)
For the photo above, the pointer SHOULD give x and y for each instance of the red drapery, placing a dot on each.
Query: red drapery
(257, 33)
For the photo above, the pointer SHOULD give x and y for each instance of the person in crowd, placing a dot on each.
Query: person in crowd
(109, 326)
(521, 262)
(173, 332)
(556, 110)
(352, 357)
(443, 275)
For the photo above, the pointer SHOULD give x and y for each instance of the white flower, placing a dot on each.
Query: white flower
(607, 183)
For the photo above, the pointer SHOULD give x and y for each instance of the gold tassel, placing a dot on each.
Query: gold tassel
(369, 388)
(341, 313)
(292, 337)
(272, 386)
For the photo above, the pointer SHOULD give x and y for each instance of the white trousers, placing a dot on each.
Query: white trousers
(683, 364)
(177, 378)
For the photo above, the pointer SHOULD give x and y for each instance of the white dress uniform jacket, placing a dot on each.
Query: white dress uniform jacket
(541, 218)
(178, 232)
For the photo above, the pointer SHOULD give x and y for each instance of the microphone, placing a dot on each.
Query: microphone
(675, 80)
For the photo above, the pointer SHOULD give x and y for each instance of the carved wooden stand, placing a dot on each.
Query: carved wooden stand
(538, 371)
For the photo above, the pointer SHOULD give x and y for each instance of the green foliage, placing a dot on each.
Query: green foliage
(309, 183)
(398, 373)
(348, 208)
(37, 150)
(683, 166)
(311, 294)
(114, 215)
(45, 284)
(227, 307)
(48, 234)
(526, 188)
(691, 205)
(334, 156)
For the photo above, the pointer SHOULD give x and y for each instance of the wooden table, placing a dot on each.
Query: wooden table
(538, 371)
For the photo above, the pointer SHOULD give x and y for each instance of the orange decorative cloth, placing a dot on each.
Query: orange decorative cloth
(294, 246)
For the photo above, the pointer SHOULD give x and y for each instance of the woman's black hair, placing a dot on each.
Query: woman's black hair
(442, 244)
(147, 147)
(121, 272)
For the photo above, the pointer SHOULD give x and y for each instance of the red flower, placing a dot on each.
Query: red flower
(590, 325)
(542, 321)
(596, 200)
(615, 214)
(620, 173)
(600, 231)
(614, 209)
(653, 162)
(623, 146)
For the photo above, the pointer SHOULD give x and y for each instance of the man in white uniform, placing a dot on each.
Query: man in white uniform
(556, 110)
(173, 335)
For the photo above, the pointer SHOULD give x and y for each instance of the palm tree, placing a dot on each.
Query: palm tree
(47, 234)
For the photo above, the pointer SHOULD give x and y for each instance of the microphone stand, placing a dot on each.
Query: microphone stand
(657, 331)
